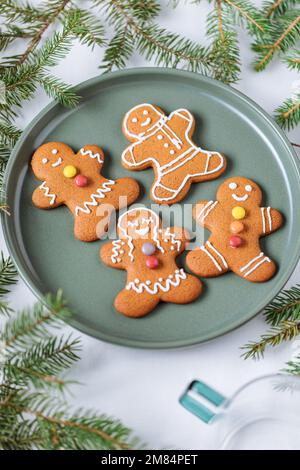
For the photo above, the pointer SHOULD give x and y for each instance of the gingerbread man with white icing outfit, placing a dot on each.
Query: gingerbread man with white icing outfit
(236, 222)
(147, 251)
(75, 180)
(164, 142)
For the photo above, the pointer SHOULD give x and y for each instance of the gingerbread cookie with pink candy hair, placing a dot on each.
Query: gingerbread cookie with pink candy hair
(236, 221)
(165, 143)
(147, 251)
(76, 181)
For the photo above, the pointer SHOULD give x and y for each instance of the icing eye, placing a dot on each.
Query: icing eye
(45, 160)
(248, 188)
(145, 112)
(134, 120)
(232, 185)
(54, 151)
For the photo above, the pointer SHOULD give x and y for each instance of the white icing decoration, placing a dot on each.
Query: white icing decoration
(253, 268)
(121, 252)
(248, 188)
(264, 219)
(146, 122)
(57, 163)
(119, 259)
(153, 219)
(54, 151)
(240, 198)
(91, 154)
(46, 190)
(166, 145)
(148, 282)
(115, 250)
(163, 285)
(209, 244)
(211, 257)
(232, 185)
(209, 206)
(45, 160)
(136, 281)
(160, 137)
(100, 194)
(134, 120)
(145, 112)
(269, 218)
(173, 239)
(172, 152)
(162, 126)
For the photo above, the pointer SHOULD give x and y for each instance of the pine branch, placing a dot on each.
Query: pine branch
(8, 277)
(166, 48)
(245, 13)
(61, 5)
(293, 60)
(273, 9)
(285, 307)
(281, 36)
(31, 325)
(293, 367)
(285, 331)
(288, 114)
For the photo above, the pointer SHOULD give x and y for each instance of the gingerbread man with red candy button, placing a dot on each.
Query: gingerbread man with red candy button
(164, 142)
(75, 180)
(147, 251)
(236, 222)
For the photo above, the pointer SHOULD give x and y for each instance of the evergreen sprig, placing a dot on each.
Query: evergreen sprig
(33, 365)
(8, 277)
(283, 314)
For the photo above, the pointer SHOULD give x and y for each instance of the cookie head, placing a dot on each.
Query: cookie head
(49, 159)
(138, 223)
(240, 191)
(140, 119)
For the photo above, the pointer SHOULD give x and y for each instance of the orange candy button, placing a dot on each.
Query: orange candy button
(236, 227)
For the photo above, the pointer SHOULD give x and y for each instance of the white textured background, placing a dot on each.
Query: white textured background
(142, 387)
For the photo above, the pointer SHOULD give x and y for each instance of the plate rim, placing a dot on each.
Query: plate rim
(96, 80)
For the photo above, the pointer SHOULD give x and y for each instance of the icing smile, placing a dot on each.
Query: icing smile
(146, 122)
(240, 198)
(142, 231)
(57, 163)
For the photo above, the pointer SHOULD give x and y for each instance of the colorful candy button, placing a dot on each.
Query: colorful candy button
(148, 249)
(152, 262)
(70, 171)
(238, 212)
(236, 227)
(235, 241)
(81, 181)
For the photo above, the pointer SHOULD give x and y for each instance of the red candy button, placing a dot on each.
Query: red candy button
(81, 181)
(151, 262)
(235, 241)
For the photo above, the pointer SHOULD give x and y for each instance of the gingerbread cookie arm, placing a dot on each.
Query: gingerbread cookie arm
(204, 212)
(181, 122)
(131, 156)
(113, 253)
(44, 198)
(94, 154)
(271, 220)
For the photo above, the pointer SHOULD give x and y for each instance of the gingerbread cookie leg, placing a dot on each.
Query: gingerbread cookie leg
(133, 304)
(187, 291)
(174, 181)
(207, 261)
(259, 268)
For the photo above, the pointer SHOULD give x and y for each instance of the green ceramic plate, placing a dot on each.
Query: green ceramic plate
(48, 256)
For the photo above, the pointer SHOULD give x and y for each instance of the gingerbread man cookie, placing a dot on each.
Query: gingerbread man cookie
(164, 142)
(147, 252)
(236, 222)
(75, 180)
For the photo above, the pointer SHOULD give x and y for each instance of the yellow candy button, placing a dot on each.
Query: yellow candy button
(238, 212)
(70, 171)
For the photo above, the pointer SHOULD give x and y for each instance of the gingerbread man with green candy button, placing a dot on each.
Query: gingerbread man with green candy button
(236, 221)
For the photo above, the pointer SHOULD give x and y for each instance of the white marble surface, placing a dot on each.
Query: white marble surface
(142, 387)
